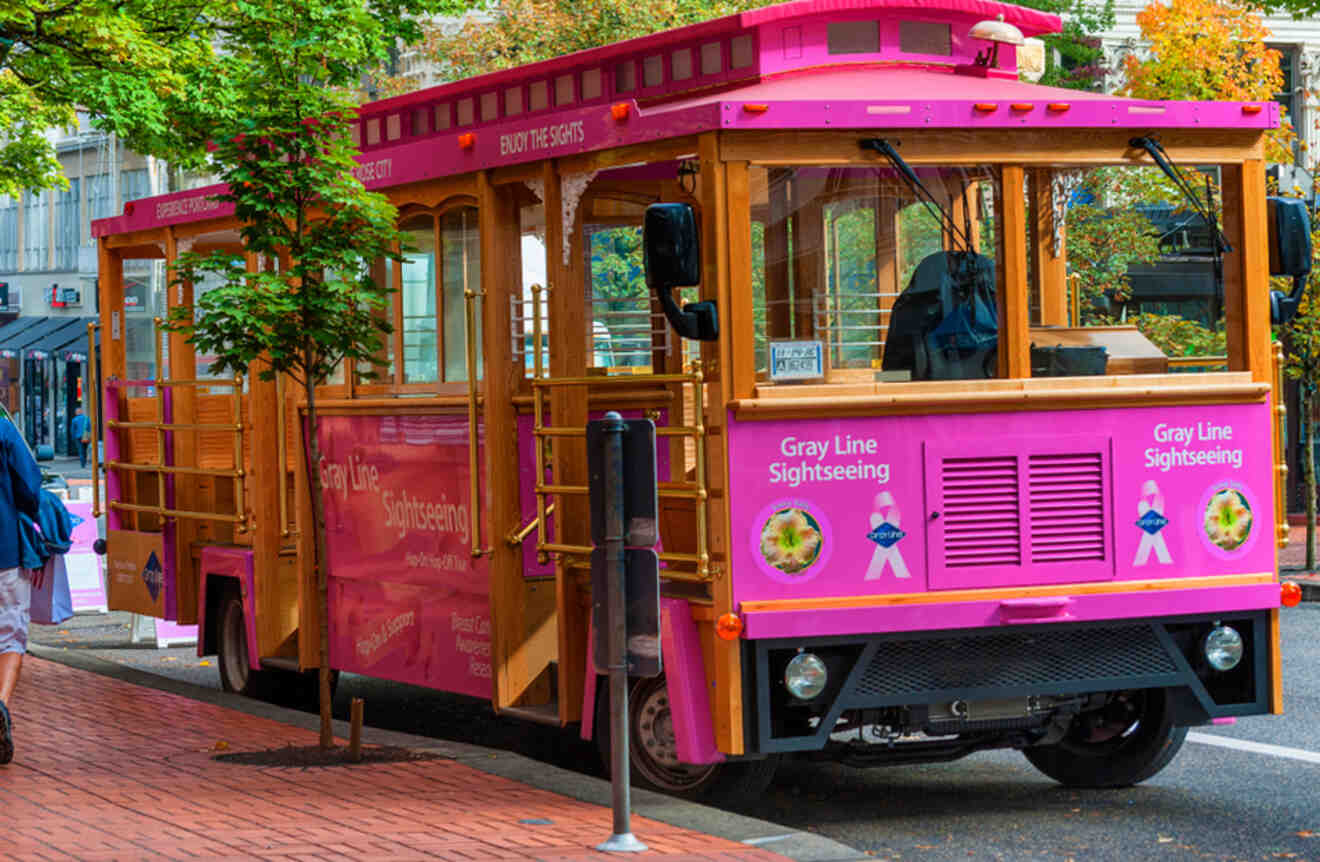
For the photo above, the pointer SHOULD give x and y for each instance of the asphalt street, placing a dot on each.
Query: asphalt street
(1255, 800)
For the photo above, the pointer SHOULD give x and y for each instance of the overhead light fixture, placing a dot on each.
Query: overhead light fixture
(997, 32)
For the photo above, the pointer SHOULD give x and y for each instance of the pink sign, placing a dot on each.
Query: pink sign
(86, 579)
(903, 504)
(407, 600)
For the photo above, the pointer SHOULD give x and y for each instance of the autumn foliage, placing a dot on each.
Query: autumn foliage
(1208, 50)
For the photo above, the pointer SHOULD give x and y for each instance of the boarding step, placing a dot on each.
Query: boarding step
(545, 713)
(280, 663)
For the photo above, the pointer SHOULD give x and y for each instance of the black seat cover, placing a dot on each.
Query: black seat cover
(938, 283)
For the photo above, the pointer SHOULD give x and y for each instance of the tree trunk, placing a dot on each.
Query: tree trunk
(319, 560)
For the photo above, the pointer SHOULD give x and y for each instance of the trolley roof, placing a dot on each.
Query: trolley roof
(810, 64)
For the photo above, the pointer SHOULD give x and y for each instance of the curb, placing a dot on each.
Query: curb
(796, 845)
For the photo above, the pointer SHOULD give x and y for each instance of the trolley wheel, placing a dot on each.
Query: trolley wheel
(236, 675)
(653, 751)
(1125, 743)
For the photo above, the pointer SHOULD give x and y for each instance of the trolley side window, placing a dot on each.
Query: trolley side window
(848, 265)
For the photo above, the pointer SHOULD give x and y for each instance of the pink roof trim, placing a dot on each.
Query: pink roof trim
(1029, 21)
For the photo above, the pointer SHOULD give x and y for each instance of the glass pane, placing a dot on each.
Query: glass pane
(462, 272)
(621, 318)
(848, 265)
(417, 299)
(382, 272)
(1140, 294)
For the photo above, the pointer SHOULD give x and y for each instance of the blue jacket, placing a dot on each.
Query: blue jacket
(51, 532)
(20, 485)
(80, 425)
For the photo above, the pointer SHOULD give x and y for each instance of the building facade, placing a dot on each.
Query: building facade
(48, 282)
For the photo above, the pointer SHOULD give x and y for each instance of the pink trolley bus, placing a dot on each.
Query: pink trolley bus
(915, 502)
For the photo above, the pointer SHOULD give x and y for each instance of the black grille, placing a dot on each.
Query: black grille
(1032, 659)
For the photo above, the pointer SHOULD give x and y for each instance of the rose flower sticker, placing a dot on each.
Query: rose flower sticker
(1228, 519)
(791, 540)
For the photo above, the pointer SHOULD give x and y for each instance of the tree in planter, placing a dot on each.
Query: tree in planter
(287, 162)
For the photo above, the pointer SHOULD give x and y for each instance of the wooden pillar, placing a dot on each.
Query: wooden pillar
(778, 294)
(1049, 271)
(501, 277)
(739, 318)
(718, 360)
(570, 354)
(1246, 279)
(110, 286)
(887, 269)
(808, 222)
(1011, 275)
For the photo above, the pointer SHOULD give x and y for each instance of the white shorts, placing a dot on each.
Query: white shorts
(15, 610)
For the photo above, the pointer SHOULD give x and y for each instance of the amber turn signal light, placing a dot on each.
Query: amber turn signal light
(729, 627)
(986, 107)
(755, 107)
(1290, 595)
(619, 111)
(467, 140)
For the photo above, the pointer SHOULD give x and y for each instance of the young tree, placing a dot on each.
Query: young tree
(515, 32)
(285, 156)
(135, 65)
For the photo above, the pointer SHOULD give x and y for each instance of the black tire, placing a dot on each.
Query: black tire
(236, 675)
(1125, 743)
(653, 761)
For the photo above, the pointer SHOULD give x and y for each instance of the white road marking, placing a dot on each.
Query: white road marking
(1255, 747)
(768, 839)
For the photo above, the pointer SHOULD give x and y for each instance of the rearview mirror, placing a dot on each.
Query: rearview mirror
(671, 255)
(1290, 253)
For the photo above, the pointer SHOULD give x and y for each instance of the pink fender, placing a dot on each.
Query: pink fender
(685, 677)
(233, 563)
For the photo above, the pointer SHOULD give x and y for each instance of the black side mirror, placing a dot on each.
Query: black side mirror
(1290, 253)
(671, 255)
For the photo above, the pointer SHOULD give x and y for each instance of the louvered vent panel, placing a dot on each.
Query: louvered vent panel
(1066, 507)
(981, 513)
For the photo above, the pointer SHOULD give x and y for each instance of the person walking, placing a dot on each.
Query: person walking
(80, 428)
(20, 489)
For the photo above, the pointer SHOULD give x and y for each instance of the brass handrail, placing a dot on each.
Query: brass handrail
(176, 513)
(161, 469)
(696, 491)
(1282, 529)
(170, 468)
(517, 537)
(1196, 361)
(173, 426)
(470, 327)
(281, 446)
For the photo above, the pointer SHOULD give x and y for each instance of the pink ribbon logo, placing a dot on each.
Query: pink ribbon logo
(1151, 520)
(885, 521)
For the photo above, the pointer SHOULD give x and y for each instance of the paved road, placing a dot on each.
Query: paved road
(1253, 796)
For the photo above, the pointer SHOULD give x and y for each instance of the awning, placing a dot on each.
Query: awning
(71, 337)
(10, 333)
(39, 337)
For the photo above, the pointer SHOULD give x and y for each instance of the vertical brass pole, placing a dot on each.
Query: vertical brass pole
(281, 445)
(94, 399)
(699, 423)
(470, 298)
(240, 504)
(537, 415)
(160, 415)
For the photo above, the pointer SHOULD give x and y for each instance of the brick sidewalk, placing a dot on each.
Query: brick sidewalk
(108, 770)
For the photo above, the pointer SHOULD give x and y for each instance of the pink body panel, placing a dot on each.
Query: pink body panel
(685, 680)
(236, 563)
(1033, 498)
(965, 615)
(407, 600)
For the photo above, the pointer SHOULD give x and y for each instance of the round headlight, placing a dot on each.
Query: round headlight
(805, 676)
(1223, 648)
